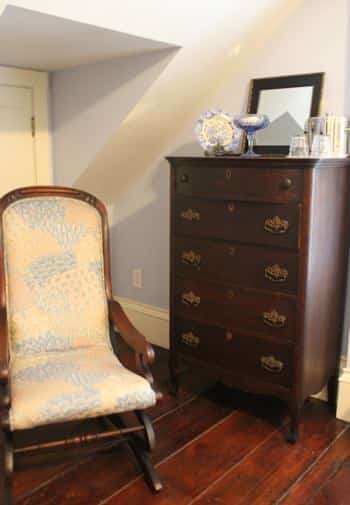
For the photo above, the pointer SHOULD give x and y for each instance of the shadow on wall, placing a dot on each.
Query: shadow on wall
(89, 103)
(141, 239)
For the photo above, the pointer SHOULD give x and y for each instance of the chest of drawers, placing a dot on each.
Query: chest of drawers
(259, 253)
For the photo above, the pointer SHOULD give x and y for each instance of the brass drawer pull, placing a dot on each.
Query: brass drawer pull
(190, 299)
(276, 225)
(190, 339)
(190, 215)
(274, 319)
(231, 207)
(232, 251)
(228, 174)
(230, 293)
(271, 364)
(276, 273)
(191, 258)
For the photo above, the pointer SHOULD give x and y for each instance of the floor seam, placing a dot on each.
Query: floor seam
(309, 469)
(164, 460)
(58, 475)
(237, 464)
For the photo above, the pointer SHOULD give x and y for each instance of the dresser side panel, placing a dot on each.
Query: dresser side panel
(326, 257)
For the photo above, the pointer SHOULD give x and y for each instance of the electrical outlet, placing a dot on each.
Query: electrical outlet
(136, 277)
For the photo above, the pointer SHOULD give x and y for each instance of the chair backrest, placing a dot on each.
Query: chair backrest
(56, 270)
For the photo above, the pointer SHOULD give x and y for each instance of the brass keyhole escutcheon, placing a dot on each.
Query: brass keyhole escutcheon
(229, 336)
(231, 207)
(230, 293)
(228, 174)
(232, 251)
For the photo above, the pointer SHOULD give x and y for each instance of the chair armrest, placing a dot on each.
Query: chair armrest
(134, 339)
(129, 333)
(4, 354)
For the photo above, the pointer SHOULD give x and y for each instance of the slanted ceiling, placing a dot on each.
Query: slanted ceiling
(31, 39)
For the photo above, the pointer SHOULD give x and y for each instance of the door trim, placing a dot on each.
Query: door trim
(39, 83)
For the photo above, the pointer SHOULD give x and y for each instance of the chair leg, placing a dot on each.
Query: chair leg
(142, 455)
(150, 436)
(7, 468)
(144, 460)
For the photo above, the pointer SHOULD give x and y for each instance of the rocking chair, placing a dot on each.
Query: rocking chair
(57, 316)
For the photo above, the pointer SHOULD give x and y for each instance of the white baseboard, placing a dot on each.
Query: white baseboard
(322, 395)
(154, 323)
(343, 408)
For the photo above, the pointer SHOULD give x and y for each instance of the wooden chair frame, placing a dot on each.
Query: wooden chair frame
(144, 355)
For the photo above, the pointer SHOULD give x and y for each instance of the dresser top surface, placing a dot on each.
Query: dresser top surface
(264, 160)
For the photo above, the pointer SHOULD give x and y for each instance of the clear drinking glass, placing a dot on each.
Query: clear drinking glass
(321, 146)
(299, 147)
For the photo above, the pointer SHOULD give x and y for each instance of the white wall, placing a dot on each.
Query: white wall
(123, 168)
(89, 102)
(124, 162)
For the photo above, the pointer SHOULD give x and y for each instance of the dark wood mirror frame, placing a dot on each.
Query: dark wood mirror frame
(288, 81)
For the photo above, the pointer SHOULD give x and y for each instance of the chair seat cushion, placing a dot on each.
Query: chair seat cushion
(65, 386)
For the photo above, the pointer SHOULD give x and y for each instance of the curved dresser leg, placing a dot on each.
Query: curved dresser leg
(293, 432)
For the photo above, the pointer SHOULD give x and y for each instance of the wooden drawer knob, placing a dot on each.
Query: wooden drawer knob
(229, 336)
(286, 184)
(184, 178)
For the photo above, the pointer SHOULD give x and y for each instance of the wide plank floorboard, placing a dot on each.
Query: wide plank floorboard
(215, 446)
(274, 466)
(115, 469)
(329, 463)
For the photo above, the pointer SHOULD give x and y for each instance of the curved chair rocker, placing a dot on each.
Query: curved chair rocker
(56, 312)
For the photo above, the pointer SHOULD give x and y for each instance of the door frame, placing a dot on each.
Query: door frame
(38, 82)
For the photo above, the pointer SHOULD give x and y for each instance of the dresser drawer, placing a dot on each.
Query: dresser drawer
(247, 355)
(227, 262)
(229, 182)
(236, 308)
(269, 224)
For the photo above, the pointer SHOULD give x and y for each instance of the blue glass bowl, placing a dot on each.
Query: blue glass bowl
(251, 123)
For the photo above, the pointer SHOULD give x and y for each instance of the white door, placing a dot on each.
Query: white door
(17, 144)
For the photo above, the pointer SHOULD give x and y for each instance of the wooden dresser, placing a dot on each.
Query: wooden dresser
(259, 251)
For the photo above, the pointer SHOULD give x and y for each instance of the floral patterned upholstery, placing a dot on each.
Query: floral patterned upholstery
(64, 386)
(61, 364)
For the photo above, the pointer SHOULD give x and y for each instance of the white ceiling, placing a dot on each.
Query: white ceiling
(31, 39)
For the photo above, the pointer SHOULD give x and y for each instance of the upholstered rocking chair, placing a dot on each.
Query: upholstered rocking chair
(57, 363)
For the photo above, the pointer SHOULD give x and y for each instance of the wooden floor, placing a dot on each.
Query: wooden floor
(215, 447)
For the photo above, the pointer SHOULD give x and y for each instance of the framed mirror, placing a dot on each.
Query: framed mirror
(288, 101)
